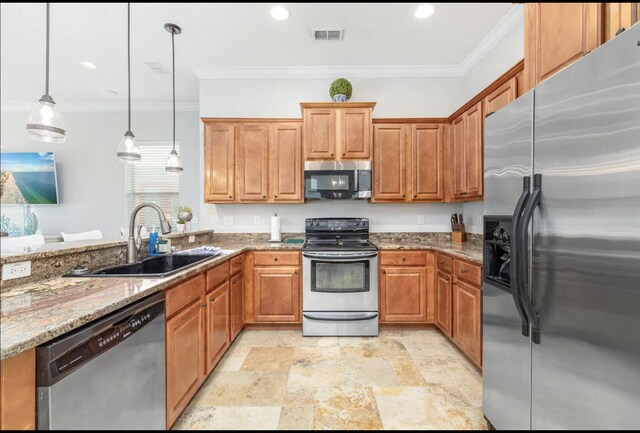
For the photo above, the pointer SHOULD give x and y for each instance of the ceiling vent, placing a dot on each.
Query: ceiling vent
(157, 67)
(328, 34)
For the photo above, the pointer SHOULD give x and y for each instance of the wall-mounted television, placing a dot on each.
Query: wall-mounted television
(28, 178)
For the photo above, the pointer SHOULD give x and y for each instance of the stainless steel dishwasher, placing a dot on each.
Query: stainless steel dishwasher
(109, 374)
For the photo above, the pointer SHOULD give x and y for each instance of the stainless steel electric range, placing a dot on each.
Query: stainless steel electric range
(340, 278)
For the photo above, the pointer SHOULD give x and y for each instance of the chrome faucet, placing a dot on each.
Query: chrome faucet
(132, 248)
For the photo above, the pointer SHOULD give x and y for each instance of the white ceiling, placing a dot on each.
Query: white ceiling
(218, 36)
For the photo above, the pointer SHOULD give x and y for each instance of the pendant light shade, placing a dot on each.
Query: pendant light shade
(128, 150)
(174, 163)
(45, 122)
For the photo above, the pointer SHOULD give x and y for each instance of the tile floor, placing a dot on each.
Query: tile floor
(404, 379)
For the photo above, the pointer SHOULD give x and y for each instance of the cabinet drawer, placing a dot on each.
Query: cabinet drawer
(236, 264)
(217, 276)
(444, 263)
(468, 272)
(280, 258)
(403, 258)
(183, 294)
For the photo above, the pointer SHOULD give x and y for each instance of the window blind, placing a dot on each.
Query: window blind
(149, 182)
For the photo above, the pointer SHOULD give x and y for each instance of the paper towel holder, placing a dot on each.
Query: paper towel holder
(276, 235)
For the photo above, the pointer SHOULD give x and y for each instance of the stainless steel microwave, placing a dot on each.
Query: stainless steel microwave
(337, 180)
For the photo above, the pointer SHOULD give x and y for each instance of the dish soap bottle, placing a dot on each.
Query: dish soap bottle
(153, 241)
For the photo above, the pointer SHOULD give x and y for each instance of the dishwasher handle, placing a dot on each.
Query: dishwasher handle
(60, 357)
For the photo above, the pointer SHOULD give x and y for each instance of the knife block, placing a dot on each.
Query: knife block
(459, 236)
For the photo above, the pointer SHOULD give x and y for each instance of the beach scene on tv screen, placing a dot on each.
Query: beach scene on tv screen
(28, 178)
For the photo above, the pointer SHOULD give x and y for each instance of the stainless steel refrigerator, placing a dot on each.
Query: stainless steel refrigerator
(561, 286)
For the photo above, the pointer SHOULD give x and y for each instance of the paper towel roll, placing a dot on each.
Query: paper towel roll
(275, 228)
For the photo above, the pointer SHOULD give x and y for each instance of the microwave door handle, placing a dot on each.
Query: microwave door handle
(356, 181)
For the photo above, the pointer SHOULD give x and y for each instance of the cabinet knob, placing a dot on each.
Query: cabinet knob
(332, 154)
(264, 196)
(276, 196)
(203, 305)
(275, 259)
(441, 262)
(464, 271)
(211, 299)
(404, 259)
(295, 272)
(403, 196)
(415, 195)
(230, 197)
(384, 271)
(446, 280)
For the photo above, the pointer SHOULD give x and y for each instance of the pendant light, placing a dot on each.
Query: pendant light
(128, 150)
(45, 122)
(174, 163)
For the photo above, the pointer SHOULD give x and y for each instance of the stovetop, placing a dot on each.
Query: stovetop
(339, 244)
(349, 234)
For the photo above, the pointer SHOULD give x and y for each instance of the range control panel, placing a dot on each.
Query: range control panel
(315, 225)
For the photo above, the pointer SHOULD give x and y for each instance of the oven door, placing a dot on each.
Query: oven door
(340, 281)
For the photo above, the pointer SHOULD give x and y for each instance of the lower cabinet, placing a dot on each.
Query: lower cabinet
(467, 320)
(218, 324)
(443, 302)
(185, 345)
(237, 305)
(18, 391)
(403, 294)
(276, 294)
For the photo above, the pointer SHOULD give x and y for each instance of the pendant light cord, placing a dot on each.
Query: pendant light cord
(173, 74)
(129, 60)
(46, 85)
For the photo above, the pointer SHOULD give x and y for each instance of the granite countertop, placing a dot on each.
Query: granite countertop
(34, 313)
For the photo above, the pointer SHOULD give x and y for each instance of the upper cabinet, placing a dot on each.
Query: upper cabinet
(335, 131)
(501, 96)
(389, 154)
(617, 16)
(253, 161)
(467, 176)
(427, 147)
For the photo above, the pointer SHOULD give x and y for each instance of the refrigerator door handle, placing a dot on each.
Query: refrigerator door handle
(523, 257)
(515, 254)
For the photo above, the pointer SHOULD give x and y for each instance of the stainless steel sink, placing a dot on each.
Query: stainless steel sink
(153, 267)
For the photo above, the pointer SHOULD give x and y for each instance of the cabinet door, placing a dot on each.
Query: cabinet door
(253, 146)
(458, 158)
(389, 146)
(559, 34)
(427, 143)
(473, 144)
(443, 303)
(237, 305)
(218, 324)
(286, 162)
(617, 16)
(185, 343)
(18, 391)
(219, 157)
(319, 133)
(501, 96)
(467, 315)
(355, 133)
(403, 294)
(276, 294)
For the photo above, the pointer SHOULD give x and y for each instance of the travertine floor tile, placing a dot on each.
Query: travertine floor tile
(268, 359)
(242, 388)
(296, 417)
(410, 408)
(467, 418)
(346, 408)
(229, 418)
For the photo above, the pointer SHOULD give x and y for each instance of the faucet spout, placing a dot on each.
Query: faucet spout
(165, 227)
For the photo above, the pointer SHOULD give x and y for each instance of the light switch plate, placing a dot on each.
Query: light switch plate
(421, 219)
(192, 238)
(11, 271)
(227, 220)
(256, 220)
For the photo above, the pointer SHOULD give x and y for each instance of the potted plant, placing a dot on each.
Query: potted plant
(180, 225)
(340, 90)
(184, 214)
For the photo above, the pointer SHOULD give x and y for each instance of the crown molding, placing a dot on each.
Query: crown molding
(504, 26)
(110, 107)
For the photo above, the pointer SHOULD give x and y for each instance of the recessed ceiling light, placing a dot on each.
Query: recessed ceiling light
(88, 65)
(424, 11)
(279, 13)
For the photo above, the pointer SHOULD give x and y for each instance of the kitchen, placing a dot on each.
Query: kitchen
(407, 259)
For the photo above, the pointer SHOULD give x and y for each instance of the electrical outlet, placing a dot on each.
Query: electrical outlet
(421, 219)
(227, 220)
(11, 271)
(256, 220)
(192, 238)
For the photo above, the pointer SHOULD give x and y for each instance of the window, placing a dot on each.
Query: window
(149, 182)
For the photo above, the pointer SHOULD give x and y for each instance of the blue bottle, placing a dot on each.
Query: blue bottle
(153, 242)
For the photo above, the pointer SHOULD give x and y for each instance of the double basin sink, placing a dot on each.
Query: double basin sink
(154, 267)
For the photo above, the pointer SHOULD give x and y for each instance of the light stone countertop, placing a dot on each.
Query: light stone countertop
(34, 313)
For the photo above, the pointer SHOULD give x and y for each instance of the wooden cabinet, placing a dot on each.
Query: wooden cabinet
(467, 320)
(501, 96)
(237, 305)
(403, 294)
(389, 155)
(185, 346)
(335, 131)
(276, 294)
(18, 392)
(467, 178)
(286, 162)
(219, 162)
(558, 34)
(218, 324)
(443, 302)
(427, 147)
(616, 16)
(252, 162)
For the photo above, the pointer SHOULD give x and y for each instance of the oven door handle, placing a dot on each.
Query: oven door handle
(339, 258)
(340, 317)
